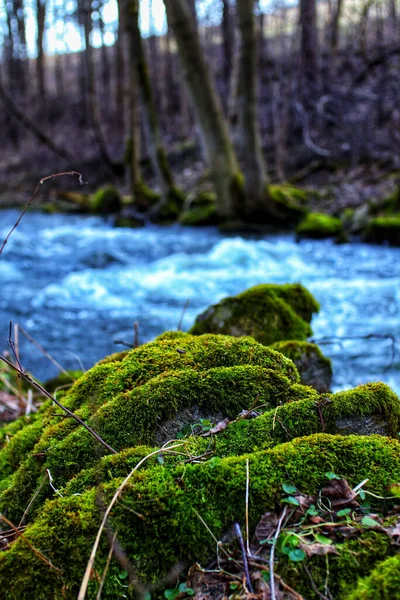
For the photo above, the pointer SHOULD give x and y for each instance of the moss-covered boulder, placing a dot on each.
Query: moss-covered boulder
(269, 313)
(160, 507)
(228, 400)
(313, 367)
(105, 201)
(319, 225)
(383, 230)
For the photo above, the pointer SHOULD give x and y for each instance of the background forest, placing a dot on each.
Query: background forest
(308, 91)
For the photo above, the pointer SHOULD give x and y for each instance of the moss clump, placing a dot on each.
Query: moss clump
(383, 229)
(313, 367)
(319, 226)
(106, 200)
(201, 211)
(268, 312)
(200, 215)
(383, 583)
(286, 203)
(169, 500)
(370, 408)
(356, 558)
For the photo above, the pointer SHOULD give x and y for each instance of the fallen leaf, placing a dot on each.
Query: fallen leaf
(318, 549)
(266, 526)
(217, 428)
(339, 493)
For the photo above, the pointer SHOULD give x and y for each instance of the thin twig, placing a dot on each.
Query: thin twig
(247, 506)
(244, 556)
(89, 566)
(31, 199)
(272, 554)
(184, 309)
(34, 550)
(109, 557)
(43, 351)
(136, 334)
(41, 389)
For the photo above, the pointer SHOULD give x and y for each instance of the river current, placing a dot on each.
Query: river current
(77, 284)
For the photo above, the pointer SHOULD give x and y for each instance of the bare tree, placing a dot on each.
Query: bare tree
(253, 161)
(309, 47)
(220, 152)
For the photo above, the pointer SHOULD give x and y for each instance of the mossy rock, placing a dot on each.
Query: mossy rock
(319, 226)
(383, 229)
(105, 201)
(159, 515)
(267, 312)
(314, 368)
(202, 210)
(383, 583)
(286, 204)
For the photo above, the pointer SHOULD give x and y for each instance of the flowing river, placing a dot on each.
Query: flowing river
(77, 284)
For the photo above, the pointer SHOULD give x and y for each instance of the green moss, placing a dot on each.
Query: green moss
(286, 203)
(268, 312)
(171, 335)
(106, 200)
(383, 229)
(383, 583)
(314, 368)
(356, 559)
(200, 215)
(319, 225)
(169, 499)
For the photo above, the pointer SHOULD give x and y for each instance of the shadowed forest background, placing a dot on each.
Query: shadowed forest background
(322, 98)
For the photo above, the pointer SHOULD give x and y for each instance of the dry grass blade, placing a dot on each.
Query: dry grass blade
(89, 566)
(34, 550)
(272, 554)
(104, 575)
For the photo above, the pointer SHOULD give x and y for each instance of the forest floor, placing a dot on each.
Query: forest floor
(339, 186)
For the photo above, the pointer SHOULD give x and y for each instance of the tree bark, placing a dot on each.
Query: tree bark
(253, 161)
(309, 47)
(138, 59)
(94, 108)
(40, 61)
(220, 152)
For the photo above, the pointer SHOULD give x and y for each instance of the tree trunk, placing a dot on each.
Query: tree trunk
(94, 108)
(309, 47)
(253, 161)
(138, 59)
(220, 152)
(132, 120)
(40, 61)
(335, 26)
(227, 40)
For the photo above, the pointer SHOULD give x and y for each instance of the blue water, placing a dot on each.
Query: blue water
(77, 284)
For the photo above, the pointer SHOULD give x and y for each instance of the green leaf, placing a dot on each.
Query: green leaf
(288, 488)
(322, 539)
(312, 511)
(331, 475)
(171, 594)
(266, 576)
(368, 522)
(123, 574)
(233, 585)
(362, 495)
(184, 589)
(160, 459)
(297, 555)
(291, 500)
(343, 512)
